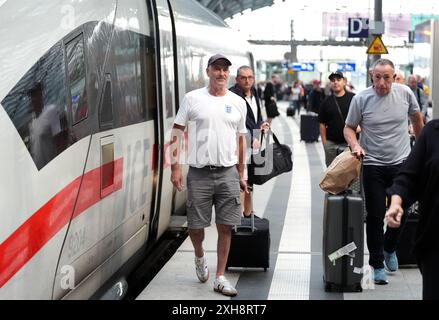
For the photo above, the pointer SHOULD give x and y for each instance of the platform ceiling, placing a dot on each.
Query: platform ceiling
(228, 8)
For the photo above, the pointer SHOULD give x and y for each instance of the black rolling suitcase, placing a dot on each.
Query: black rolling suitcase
(404, 250)
(343, 242)
(250, 246)
(309, 128)
(291, 111)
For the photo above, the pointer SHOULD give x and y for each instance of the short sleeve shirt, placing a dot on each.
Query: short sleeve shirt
(384, 123)
(213, 124)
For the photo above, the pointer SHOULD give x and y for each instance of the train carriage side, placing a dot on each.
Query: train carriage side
(78, 129)
(44, 152)
(117, 224)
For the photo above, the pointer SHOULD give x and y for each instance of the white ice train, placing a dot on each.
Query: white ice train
(88, 93)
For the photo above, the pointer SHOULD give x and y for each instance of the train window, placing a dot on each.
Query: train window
(148, 77)
(76, 73)
(130, 60)
(106, 109)
(37, 108)
(132, 74)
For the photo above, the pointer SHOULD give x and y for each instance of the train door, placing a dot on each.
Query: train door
(168, 96)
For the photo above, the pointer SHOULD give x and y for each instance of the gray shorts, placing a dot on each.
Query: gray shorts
(208, 187)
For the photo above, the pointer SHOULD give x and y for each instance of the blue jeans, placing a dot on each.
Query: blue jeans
(376, 179)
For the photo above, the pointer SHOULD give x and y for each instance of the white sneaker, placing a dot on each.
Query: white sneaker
(222, 285)
(201, 268)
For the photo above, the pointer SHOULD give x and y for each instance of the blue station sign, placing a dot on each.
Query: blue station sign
(345, 67)
(305, 66)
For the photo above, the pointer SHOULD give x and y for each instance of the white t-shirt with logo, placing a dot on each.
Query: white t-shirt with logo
(213, 124)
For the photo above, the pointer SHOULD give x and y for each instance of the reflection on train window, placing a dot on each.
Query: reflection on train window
(76, 72)
(106, 109)
(131, 69)
(168, 74)
(37, 108)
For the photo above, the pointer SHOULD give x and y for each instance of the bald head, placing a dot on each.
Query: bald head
(412, 81)
(399, 77)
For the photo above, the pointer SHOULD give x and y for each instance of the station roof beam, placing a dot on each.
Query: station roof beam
(228, 8)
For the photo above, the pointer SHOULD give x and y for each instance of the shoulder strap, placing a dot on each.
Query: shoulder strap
(418, 93)
(338, 107)
(276, 140)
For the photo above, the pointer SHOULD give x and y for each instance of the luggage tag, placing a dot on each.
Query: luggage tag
(346, 250)
(358, 270)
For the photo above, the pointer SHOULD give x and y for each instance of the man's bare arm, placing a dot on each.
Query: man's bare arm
(242, 148)
(176, 142)
(350, 135)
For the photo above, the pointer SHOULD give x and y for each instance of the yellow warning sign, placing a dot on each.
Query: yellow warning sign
(377, 46)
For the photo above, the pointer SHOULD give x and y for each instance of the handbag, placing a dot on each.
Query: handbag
(272, 110)
(341, 173)
(274, 160)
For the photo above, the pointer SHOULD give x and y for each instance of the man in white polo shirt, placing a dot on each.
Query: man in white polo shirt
(215, 118)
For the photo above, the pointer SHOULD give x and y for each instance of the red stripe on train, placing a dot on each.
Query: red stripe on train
(44, 224)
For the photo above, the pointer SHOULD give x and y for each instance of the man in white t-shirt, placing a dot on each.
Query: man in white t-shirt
(215, 118)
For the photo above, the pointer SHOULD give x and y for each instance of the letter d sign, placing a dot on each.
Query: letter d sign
(358, 28)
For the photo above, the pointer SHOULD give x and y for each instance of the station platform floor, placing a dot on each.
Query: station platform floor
(293, 202)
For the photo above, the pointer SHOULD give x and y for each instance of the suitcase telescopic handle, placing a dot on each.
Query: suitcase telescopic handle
(361, 170)
(361, 175)
(252, 216)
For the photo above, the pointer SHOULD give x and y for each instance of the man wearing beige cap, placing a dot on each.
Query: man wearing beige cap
(215, 118)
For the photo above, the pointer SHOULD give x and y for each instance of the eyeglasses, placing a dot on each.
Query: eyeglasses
(246, 78)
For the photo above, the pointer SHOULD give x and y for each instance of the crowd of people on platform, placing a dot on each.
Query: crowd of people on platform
(309, 95)
(231, 120)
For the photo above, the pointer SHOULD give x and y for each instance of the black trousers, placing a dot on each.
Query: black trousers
(376, 179)
(428, 265)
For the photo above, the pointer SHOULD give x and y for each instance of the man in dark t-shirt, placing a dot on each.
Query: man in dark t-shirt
(332, 115)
